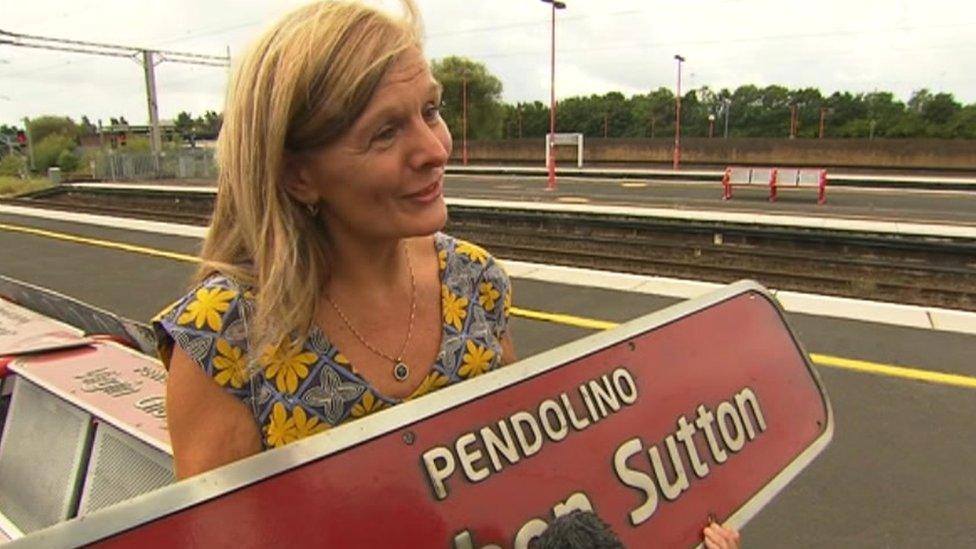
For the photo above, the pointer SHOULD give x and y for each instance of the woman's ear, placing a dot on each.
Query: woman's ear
(298, 179)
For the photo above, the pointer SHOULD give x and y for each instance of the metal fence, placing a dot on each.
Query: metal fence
(184, 164)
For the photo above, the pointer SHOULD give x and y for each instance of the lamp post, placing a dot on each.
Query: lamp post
(551, 185)
(824, 111)
(728, 107)
(711, 125)
(676, 161)
(464, 120)
(793, 121)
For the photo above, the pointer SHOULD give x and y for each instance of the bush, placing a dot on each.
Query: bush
(11, 186)
(48, 151)
(13, 165)
(67, 161)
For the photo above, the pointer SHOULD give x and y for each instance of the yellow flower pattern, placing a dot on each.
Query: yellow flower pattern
(477, 359)
(207, 308)
(455, 308)
(434, 380)
(367, 405)
(305, 425)
(230, 364)
(309, 388)
(286, 364)
(283, 428)
(280, 429)
(487, 295)
(476, 253)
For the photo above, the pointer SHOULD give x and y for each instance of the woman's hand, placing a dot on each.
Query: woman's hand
(718, 536)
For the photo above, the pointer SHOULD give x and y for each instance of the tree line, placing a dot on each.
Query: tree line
(747, 111)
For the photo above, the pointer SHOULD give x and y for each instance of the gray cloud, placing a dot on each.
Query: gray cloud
(624, 45)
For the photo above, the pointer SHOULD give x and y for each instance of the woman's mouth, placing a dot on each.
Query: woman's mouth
(427, 194)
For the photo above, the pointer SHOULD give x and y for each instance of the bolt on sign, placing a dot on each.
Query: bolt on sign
(707, 408)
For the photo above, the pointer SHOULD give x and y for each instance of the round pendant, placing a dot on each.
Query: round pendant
(400, 371)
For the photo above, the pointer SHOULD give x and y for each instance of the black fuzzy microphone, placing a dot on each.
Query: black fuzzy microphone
(577, 530)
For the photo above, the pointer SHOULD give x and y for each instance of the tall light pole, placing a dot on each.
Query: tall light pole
(728, 107)
(464, 119)
(711, 125)
(676, 161)
(824, 111)
(551, 185)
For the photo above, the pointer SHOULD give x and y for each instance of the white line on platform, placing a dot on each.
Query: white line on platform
(854, 225)
(914, 316)
(155, 227)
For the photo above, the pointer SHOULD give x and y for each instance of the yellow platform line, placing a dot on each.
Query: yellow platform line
(864, 366)
(890, 370)
(568, 320)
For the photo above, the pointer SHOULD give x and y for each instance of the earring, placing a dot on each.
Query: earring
(313, 209)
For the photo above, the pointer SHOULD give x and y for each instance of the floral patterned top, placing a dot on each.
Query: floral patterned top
(301, 391)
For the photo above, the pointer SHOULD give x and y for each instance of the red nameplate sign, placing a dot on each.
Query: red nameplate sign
(108, 380)
(24, 331)
(708, 407)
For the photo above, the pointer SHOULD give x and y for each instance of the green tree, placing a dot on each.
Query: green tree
(658, 112)
(184, 123)
(46, 125)
(532, 118)
(13, 164)
(963, 123)
(68, 161)
(8, 130)
(485, 111)
(208, 125)
(47, 151)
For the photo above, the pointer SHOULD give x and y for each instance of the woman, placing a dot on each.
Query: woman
(325, 238)
(325, 290)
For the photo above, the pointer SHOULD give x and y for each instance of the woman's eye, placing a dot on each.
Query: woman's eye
(385, 135)
(432, 111)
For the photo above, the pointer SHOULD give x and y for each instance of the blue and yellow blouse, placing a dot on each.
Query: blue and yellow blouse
(299, 391)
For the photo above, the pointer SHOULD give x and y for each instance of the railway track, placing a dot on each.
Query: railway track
(918, 270)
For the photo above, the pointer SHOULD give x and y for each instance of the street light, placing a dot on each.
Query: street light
(676, 161)
(728, 107)
(551, 185)
(464, 120)
(824, 111)
(711, 125)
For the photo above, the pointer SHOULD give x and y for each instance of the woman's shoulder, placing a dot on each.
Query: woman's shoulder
(452, 251)
(217, 308)
(204, 304)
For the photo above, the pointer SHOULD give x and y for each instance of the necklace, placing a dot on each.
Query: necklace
(400, 369)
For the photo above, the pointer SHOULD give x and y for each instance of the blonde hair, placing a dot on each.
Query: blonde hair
(302, 85)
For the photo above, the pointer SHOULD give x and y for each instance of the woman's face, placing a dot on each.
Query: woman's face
(384, 177)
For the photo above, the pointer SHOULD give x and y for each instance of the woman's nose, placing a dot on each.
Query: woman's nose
(433, 146)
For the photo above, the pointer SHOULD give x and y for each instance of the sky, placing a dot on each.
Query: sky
(601, 46)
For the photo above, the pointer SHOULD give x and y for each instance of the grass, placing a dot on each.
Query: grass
(11, 186)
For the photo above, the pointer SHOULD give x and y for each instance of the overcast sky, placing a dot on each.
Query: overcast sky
(601, 46)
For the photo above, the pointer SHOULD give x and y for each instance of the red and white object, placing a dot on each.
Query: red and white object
(655, 426)
(775, 178)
